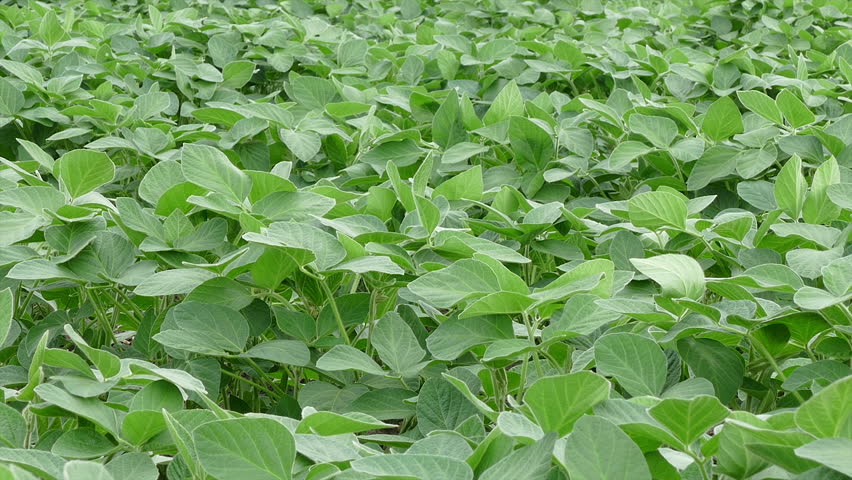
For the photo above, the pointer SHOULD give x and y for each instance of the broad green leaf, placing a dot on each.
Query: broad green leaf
(313, 92)
(246, 448)
(413, 466)
(818, 207)
(660, 131)
(208, 167)
(344, 357)
(137, 466)
(714, 361)
(531, 462)
(327, 250)
(831, 452)
(761, 104)
(396, 344)
(441, 406)
(42, 463)
(456, 335)
(11, 99)
(795, 111)
(722, 120)
(173, 282)
(82, 171)
(13, 427)
(466, 185)
(448, 286)
(791, 188)
(598, 450)
(678, 275)
(506, 104)
(89, 408)
(85, 470)
(555, 403)
(286, 352)
(304, 145)
(330, 423)
(531, 144)
(7, 311)
(637, 362)
(828, 413)
(689, 419)
(654, 210)
(204, 328)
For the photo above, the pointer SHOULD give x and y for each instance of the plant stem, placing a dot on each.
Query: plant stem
(249, 382)
(769, 358)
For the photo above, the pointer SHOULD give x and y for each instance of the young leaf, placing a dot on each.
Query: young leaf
(246, 448)
(597, 449)
(82, 171)
(679, 275)
(791, 187)
(722, 120)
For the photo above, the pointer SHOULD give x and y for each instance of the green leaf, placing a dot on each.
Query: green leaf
(286, 352)
(397, 346)
(89, 408)
(456, 335)
(82, 171)
(204, 328)
(555, 403)
(507, 103)
(304, 145)
(654, 210)
(791, 187)
(466, 185)
(448, 286)
(13, 427)
(313, 92)
(441, 406)
(637, 362)
(173, 282)
(447, 126)
(714, 361)
(246, 448)
(344, 357)
(292, 206)
(818, 207)
(722, 120)
(85, 470)
(831, 452)
(209, 168)
(794, 110)
(531, 144)
(717, 162)
(7, 310)
(661, 131)
(531, 462)
(326, 248)
(689, 419)
(330, 423)
(679, 275)
(598, 450)
(413, 466)
(761, 104)
(11, 99)
(42, 463)
(828, 413)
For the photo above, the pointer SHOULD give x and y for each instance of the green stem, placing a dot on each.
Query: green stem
(249, 382)
(264, 375)
(771, 360)
(102, 319)
(330, 296)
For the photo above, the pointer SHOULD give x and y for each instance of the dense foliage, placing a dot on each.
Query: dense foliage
(501, 240)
